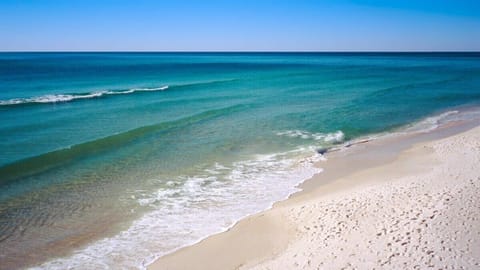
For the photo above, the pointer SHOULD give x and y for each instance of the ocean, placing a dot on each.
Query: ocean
(110, 160)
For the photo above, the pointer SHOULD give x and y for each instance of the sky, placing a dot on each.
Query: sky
(239, 25)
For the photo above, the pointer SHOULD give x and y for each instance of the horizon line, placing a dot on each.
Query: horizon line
(239, 51)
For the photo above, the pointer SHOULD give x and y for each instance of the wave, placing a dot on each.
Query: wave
(423, 125)
(61, 98)
(54, 98)
(332, 138)
(224, 193)
(333, 141)
(430, 123)
(38, 164)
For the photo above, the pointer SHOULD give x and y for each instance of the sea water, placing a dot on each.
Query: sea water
(110, 160)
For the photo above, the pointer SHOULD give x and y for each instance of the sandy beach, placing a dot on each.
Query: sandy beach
(221, 135)
(399, 203)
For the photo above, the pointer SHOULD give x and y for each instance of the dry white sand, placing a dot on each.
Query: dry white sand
(420, 211)
(426, 219)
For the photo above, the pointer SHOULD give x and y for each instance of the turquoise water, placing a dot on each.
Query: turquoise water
(146, 152)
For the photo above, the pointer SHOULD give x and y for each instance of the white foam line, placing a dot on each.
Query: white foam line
(264, 181)
(334, 137)
(54, 98)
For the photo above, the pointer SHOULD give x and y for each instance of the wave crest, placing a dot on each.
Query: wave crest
(58, 98)
(335, 137)
(55, 98)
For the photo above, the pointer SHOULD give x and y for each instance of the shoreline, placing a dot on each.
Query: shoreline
(266, 234)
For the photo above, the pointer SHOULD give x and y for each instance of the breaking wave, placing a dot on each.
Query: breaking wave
(54, 98)
(59, 98)
(190, 208)
(335, 137)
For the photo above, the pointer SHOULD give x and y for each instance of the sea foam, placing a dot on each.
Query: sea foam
(55, 98)
(335, 137)
(190, 208)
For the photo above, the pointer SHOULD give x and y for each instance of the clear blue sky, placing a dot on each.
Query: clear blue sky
(199, 25)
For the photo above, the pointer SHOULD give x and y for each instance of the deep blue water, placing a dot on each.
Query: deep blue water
(98, 143)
